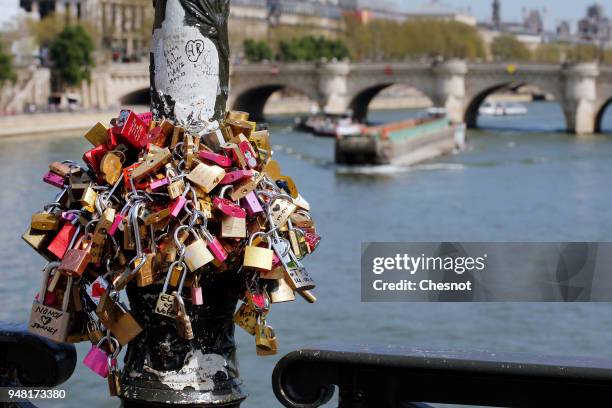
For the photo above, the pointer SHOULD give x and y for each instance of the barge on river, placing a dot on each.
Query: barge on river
(401, 143)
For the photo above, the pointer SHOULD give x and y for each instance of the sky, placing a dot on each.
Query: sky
(556, 10)
(510, 10)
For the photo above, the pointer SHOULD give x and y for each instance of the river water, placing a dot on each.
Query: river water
(509, 185)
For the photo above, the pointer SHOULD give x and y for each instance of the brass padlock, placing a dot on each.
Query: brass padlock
(88, 199)
(206, 177)
(246, 318)
(233, 227)
(48, 321)
(280, 209)
(117, 319)
(166, 304)
(147, 273)
(152, 163)
(176, 186)
(183, 323)
(111, 167)
(197, 253)
(258, 258)
(97, 135)
(61, 169)
(94, 332)
(103, 226)
(45, 221)
(37, 240)
(114, 381)
(265, 339)
(280, 291)
(177, 135)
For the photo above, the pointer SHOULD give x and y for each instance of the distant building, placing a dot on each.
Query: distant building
(496, 15)
(121, 23)
(595, 26)
(532, 22)
(564, 30)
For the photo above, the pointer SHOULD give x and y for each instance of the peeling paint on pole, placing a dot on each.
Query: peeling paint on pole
(190, 61)
(186, 65)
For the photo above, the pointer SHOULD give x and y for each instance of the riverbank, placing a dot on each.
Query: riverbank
(72, 123)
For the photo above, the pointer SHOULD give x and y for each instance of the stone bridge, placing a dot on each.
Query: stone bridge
(583, 90)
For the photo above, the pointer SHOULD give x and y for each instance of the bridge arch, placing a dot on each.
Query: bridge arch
(254, 99)
(599, 117)
(360, 101)
(475, 98)
(137, 97)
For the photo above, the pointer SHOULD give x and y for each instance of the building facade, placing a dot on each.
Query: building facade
(123, 27)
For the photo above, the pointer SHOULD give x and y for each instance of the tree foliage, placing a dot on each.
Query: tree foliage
(508, 48)
(7, 71)
(391, 40)
(548, 53)
(71, 56)
(583, 53)
(47, 29)
(311, 48)
(257, 51)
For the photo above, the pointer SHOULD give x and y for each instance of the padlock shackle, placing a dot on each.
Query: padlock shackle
(45, 279)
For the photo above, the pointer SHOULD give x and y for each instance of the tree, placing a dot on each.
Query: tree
(7, 71)
(46, 30)
(71, 56)
(310, 48)
(508, 48)
(257, 51)
(548, 53)
(380, 40)
(583, 53)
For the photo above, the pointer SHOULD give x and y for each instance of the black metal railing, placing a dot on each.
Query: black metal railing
(390, 376)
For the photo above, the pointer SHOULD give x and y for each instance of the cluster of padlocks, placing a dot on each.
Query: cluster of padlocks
(157, 203)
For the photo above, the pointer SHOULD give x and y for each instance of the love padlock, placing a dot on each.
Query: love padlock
(258, 258)
(97, 359)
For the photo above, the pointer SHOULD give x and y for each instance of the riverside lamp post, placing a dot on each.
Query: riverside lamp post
(189, 84)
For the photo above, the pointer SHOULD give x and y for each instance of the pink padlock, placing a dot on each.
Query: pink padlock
(228, 208)
(159, 183)
(196, 296)
(118, 220)
(219, 159)
(248, 153)
(216, 248)
(236, 175)
(275, 260)
(177, 206)
(54, 179)
(97, 359)
(251, 204)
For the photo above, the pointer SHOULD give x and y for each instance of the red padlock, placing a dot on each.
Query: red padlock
(132, 129)
(94, 156)
(60, 243)
(146, 117)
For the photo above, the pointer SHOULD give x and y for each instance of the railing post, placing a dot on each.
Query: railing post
(189, 84)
